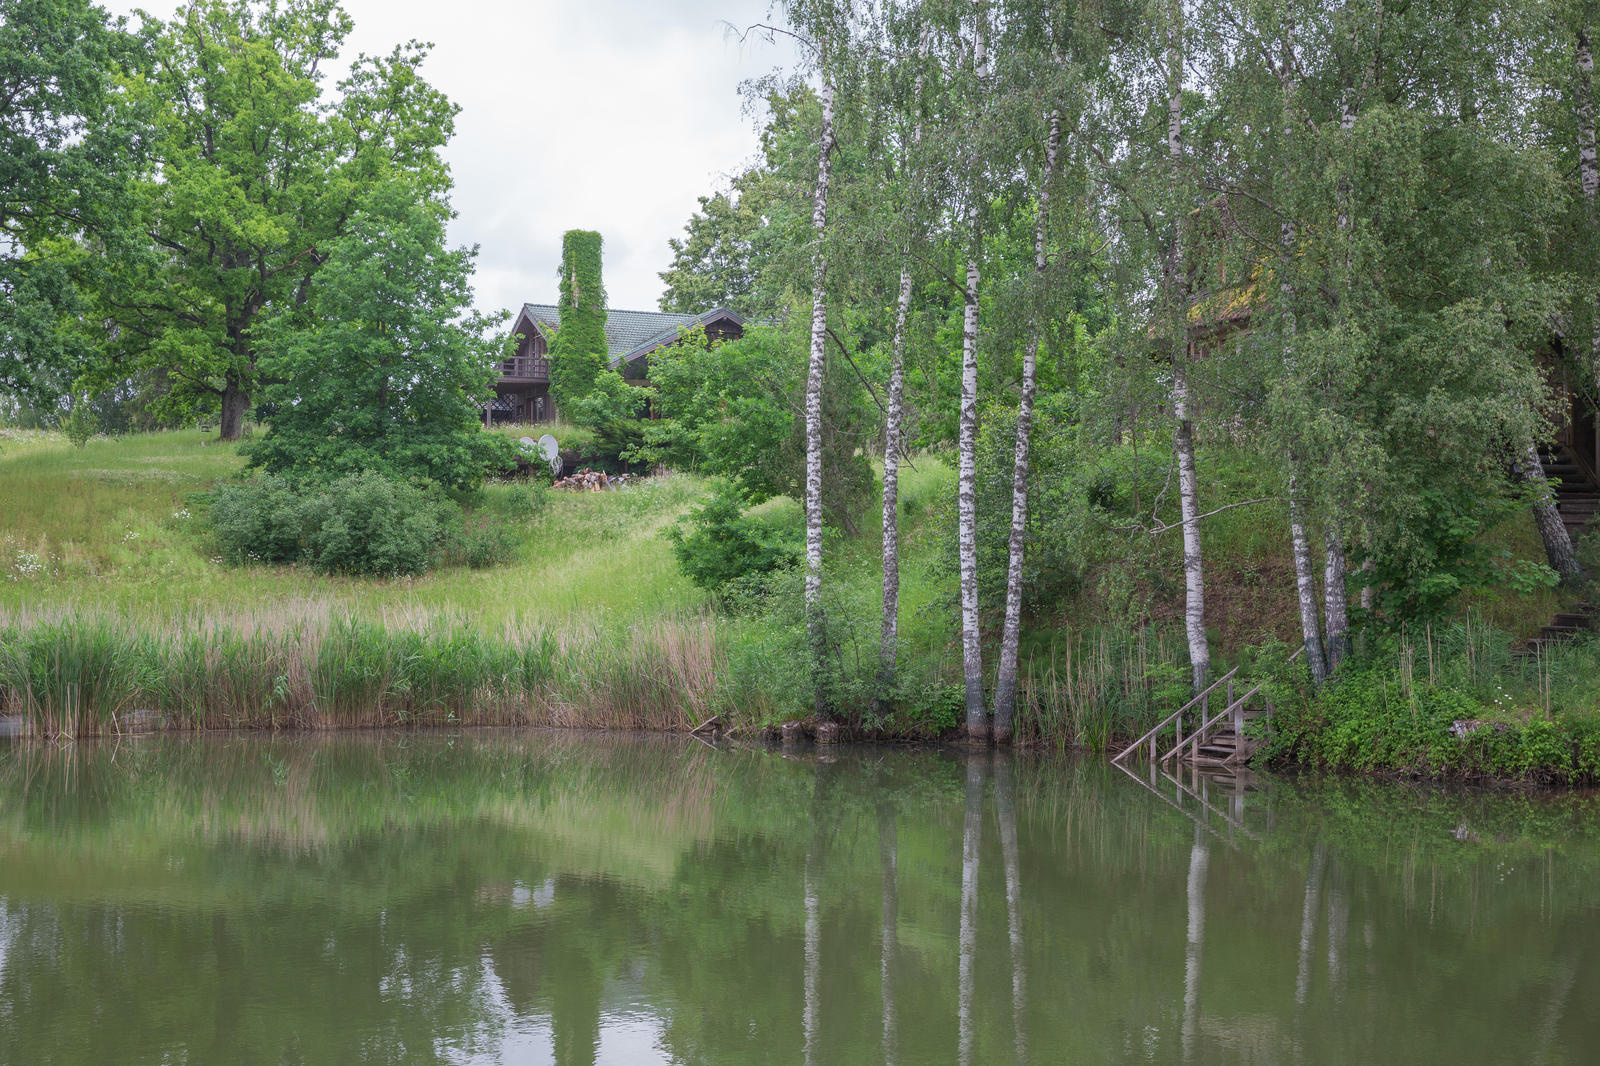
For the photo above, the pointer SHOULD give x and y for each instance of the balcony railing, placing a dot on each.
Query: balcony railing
(525, 368)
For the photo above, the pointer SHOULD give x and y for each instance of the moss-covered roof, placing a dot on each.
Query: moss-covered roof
(630, 335)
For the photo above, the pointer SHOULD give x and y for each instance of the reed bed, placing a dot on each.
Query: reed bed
(82, 673)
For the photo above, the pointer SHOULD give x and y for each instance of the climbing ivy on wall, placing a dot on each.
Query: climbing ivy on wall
(578, 354)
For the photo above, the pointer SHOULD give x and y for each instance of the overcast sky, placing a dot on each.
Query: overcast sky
(644, 93)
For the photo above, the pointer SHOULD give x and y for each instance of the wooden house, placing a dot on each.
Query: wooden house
(522, 391)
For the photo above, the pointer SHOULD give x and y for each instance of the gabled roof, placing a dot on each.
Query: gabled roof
(630, 335)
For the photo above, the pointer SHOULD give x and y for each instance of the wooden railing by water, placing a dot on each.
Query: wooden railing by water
(1175, 719)
(1233, 713)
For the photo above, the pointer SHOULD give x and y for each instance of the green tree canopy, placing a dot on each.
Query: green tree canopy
(384, 370)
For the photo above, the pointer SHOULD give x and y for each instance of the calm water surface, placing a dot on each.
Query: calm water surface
(544, 898)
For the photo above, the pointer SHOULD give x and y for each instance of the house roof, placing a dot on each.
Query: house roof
(630, 335)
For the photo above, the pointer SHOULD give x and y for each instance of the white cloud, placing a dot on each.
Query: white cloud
(611, 115)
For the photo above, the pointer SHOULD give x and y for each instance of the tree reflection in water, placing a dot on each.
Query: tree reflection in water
(507, 896)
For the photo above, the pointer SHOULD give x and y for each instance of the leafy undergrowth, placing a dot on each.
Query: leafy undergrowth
(1454, 705)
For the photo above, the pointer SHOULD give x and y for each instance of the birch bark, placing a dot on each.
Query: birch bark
(1305, 584)
(1557, 542)
(1335, 597)
(1005, 807)
(967, 474)
(1194, 609)
(894, 422)
(967, 934)
(1005, 685)
(815, 633)
(889, 861)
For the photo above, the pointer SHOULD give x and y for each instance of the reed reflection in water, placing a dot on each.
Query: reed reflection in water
(577, 898)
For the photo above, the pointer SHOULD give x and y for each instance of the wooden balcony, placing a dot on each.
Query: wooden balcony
(533, 369)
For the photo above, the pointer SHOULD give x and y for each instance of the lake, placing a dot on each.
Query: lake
(572, 898)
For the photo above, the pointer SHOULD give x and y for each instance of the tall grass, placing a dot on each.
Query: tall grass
(92, 673)
(1097, 687)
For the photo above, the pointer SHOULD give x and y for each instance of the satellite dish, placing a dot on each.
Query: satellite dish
(528, 444)
(552, 453)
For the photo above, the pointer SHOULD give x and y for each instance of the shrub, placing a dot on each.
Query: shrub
(369, 524)
(718, 542)
(80, 425)
(260, 519)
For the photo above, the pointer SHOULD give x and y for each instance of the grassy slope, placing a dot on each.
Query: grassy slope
(106, 526)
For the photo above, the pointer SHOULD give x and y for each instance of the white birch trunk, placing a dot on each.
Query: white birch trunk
(1547, 516)
(1194, 948)
(1194, 607)
(817, 637)
(1005, 685)
(1335, 597)
(1588, 162)
(1306, 585)
(894, 423)
(967, 472)
(1194, 582)
(967, 934)
(889, 861)
(1005, 805)
(1308, 924)
(813, 962)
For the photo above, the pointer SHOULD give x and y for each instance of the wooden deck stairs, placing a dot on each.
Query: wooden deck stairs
(1216, 740)
(1578, 501)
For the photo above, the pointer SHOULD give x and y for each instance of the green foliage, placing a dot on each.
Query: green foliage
(718, 543)
(256, 171)
(71, 144)
(384, 371)
(370, 525)
(579, 353)
(729, 410)
(260, 519)
(1454, 704)
(80, 425)
(612, 411)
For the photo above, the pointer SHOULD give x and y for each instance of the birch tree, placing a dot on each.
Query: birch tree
(894, 419)
(1005, 688)
(967, 442)
(1176, 300)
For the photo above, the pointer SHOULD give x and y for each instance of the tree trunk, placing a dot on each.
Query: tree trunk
(893, 429)
(235, 402)
(1194, 582)
(1335, 597)
(1194, 606)
(1306, 584)
(1005, 685)
(1588, 163)
(1005, 806)
(967, 474)
(1557, 542)
(812, 990)
(889, 862)
(967, 935)
(1308, 923)
(1194, 948)
(815, 632)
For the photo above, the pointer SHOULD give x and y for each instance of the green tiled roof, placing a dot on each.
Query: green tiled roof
(629, 334)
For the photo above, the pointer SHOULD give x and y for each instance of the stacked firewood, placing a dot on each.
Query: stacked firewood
(586, 480)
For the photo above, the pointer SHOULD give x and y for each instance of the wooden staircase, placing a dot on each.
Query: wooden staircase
(1578, 501)
(1219, 740)
(1224, 747)
(1577, 493)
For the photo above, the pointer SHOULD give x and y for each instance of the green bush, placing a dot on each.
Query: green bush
(260, 519)
(369, 524)
(482, 542)
(718, 542)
